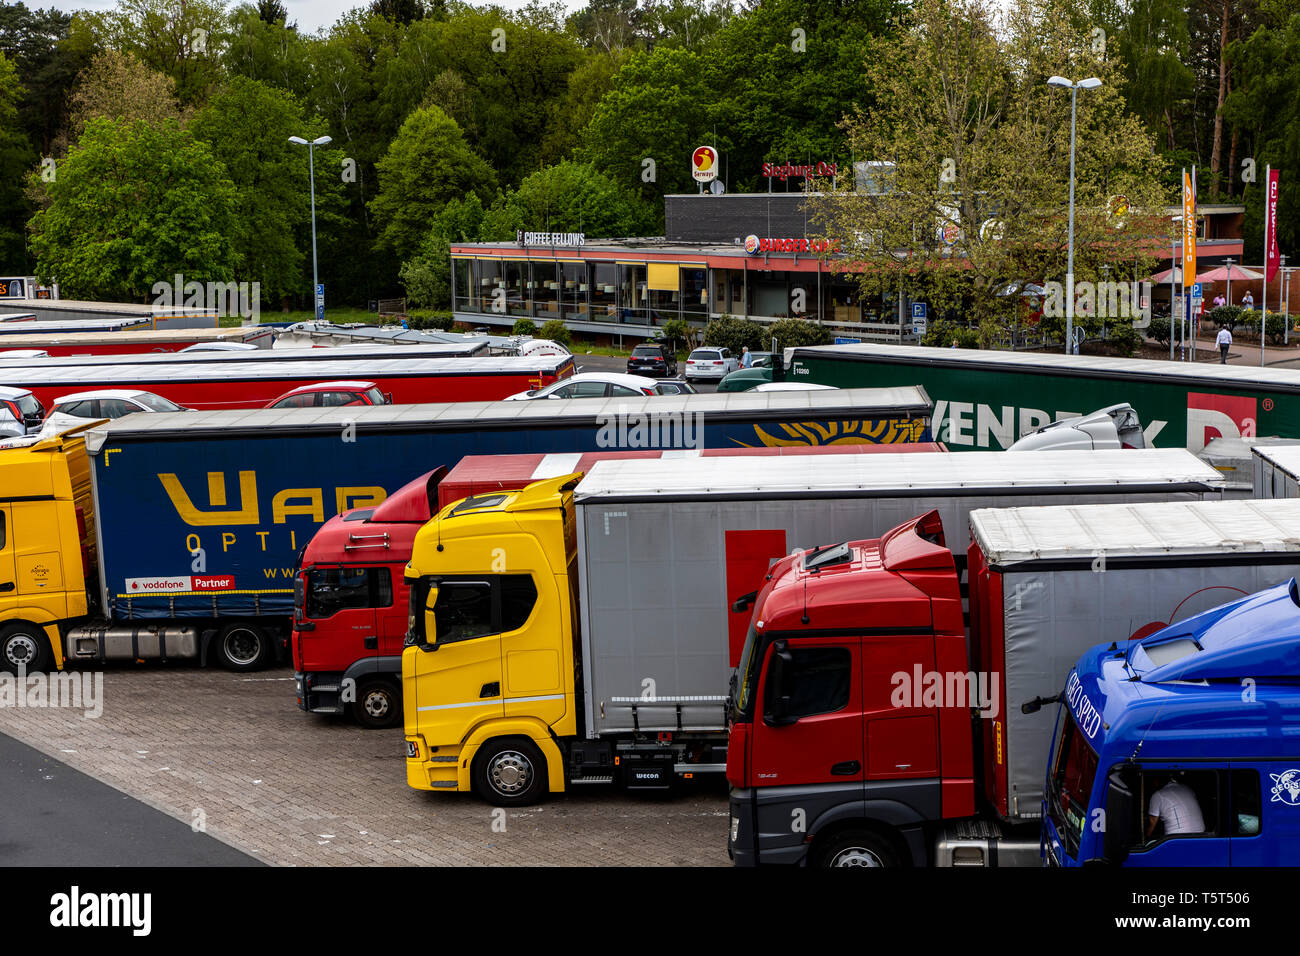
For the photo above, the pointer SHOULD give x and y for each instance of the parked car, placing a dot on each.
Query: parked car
(675, 386)
(711, 363)
(22, 407)
(113, 403)
(332, 395)
(652, 360)
(591, 385)
(221, 347)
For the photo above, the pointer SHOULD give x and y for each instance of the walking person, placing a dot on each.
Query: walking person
(1223, 340)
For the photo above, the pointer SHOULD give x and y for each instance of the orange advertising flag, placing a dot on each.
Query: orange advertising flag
(1189, 228)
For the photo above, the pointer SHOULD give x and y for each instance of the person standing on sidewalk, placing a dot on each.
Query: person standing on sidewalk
(1223, 341)
(1248, 300)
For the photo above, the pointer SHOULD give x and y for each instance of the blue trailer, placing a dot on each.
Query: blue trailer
(1202, 716)
(200, 517)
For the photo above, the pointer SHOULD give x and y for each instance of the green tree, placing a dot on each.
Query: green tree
(134, 204)
(569, 197)
(268, 51)
(427, 165)
(658, 109)
(976, 199)
(36, 42)
(247, 127)
(16, 157)
(118, 86)
(796, 333)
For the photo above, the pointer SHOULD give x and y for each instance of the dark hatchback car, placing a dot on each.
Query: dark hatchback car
(652, 360)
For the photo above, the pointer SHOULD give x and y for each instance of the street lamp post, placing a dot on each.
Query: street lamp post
(1089, 84)
(1228, 263)
(311, 178)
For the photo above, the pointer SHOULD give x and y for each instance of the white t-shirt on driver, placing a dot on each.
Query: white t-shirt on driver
(1176, 806)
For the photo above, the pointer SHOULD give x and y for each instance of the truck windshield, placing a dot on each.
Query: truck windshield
(1074, 767)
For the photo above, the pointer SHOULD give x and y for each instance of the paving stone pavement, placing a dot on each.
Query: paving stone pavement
(233, 753)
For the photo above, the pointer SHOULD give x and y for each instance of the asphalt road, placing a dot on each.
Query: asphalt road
(57, 816)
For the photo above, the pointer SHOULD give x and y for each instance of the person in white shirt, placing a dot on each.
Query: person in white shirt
(1223, 340)
(1248, 301)
(1175, 807)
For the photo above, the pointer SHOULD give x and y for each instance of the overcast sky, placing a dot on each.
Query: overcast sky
(311, 15)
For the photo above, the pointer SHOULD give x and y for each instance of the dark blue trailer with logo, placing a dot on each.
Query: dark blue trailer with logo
(200, 517)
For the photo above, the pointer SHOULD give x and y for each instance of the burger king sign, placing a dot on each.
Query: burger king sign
(704, 164)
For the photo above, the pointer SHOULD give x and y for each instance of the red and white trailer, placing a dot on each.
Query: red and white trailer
(69, 339)
(252, 384)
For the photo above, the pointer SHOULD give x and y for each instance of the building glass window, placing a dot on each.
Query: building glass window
(518, 293)
(632, 294)
(546, 289)
(695, 293)
(464, 300)
(487, 279)
(604, 292)
(575, 290)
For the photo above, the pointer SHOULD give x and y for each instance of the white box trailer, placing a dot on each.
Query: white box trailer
(1048, 583)
(667, 547)
(1277, 470)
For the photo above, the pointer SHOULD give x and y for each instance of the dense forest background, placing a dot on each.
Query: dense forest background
(153, 139)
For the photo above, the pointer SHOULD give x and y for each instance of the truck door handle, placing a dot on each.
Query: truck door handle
(7, 586)
(371, 643)
(846, 769)
(490, 690)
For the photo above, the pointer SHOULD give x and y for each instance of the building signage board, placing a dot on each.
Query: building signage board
(755, 245)
(551, 238)
(784, 171)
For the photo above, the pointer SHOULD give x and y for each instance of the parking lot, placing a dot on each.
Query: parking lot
(231, 753)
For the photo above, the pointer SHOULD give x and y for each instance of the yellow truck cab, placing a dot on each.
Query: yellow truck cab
(47, 558)
(489, 668)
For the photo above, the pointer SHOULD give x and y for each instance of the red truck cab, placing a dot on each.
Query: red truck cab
(350, 606)
(835, 757)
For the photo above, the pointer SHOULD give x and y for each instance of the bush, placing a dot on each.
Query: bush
(793, 333)
(442, 321)
(1275, 327)
(1222, 315)
(556, 331)
(942, 333)
(524, 327)
(1159, 330)
(675, 333)
(734, 334)
(1123, 340)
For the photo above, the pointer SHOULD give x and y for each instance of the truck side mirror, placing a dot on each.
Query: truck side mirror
(743, 602)
(430, 642)
(776, 709)
(1118, 820)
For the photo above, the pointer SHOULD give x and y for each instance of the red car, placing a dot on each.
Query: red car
(332, 395)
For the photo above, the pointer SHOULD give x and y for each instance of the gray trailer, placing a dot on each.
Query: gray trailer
(1046, 584)
(667, 547)
(1277, 470)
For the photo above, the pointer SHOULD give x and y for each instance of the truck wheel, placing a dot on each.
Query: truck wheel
(243, 647)
(509, 772)
(378, 704)
(24, 645)
(856, 848)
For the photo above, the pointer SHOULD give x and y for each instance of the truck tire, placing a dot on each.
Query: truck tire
(855, 848)
(25, 645)
(378, 704)
(242, 646)
(509, 772)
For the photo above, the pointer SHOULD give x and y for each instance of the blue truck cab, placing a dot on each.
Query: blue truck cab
(1211, 704)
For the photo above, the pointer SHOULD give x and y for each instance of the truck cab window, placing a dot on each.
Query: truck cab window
(1179, 803)
(816, 680)
(330, 590)
(463, 610)
(1246, 815)
(518, 596)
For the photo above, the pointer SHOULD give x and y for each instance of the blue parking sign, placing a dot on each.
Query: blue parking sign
(918, 310)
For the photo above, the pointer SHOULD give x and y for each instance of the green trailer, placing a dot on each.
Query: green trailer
(986, 400)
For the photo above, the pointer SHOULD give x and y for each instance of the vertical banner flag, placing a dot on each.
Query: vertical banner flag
(1270, 225)
(1189, 229)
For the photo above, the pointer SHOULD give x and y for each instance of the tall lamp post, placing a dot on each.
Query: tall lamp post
(311, 177)
(1089, 84)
